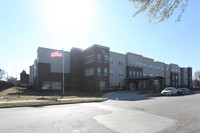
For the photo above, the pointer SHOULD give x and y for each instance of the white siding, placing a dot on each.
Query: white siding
(167, 75)
(115, 79)
(44, 56)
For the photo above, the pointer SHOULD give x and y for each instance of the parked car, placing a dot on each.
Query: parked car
(183, 91)
(169, 91)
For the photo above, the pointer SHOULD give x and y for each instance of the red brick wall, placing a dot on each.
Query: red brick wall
(24, 78)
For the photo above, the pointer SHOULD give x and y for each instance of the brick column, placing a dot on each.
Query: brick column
(151, 84)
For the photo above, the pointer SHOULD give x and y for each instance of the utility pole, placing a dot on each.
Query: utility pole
(63, 74)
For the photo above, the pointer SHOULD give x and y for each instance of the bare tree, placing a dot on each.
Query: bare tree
(197, 75)
(2, 73)
(159, 10)
(196, 81)
(12, 80)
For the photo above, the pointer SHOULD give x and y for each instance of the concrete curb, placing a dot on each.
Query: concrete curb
(40, 105)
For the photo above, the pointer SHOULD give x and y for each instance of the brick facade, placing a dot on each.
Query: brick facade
(88, 70)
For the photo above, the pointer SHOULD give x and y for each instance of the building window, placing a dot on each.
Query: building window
(137, 74)
(89, 71)
(144, 85)
(120, 62)
(98, 71)
(137, 64)
(144, 74)
(133, 73)
(162, 69)
(140, 64)
(130, 74)
(151, 66)
(120, 73)
(102, 85)
(133, 63)
(140, 74)
(129, 63)
(111, 73)
(106, 59)
(89, 59)
(99, 57)
(105, 71)
(48, 85)
(111, 61)
(151, 75)
(111, 85)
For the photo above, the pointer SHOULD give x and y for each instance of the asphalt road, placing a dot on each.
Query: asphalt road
(126, 112)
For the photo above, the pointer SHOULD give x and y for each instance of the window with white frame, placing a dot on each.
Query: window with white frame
(98, 71)
(102, 85)
(140, 64)
(120, 73)
(133, 73)
(89, 71)
(111, 85)
(120, 62)
(105, 71)
(111, 72)
(137, 64)
(133, 63)
(130, 74)
(99, 57)
(105, 58)
(111, 60)
(89, 59)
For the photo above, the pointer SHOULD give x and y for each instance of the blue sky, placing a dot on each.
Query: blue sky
(28, 24)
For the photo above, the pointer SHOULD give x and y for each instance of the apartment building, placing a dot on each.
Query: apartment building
(97, 68)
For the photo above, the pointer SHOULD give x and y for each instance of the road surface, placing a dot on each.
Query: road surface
(126, 112)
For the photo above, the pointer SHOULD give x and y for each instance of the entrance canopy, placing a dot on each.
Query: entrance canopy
(150, 83)
(145, 78)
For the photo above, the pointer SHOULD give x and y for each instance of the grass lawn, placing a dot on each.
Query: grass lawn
(41, 103)
(29, 94)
